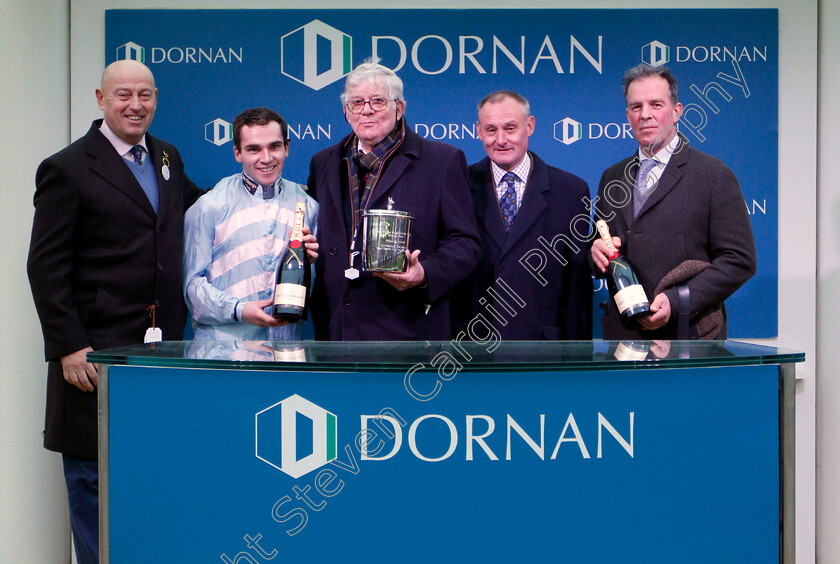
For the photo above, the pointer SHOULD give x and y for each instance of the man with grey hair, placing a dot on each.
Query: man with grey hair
(383, 164)
(519, 199)
(680, 220)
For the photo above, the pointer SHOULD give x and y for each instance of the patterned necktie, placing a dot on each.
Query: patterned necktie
(137, 153)
(643, 191)
(507, 203)
(268, 192)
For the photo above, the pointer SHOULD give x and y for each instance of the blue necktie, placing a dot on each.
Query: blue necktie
(507, 203)
(643, 191)
(137, 153)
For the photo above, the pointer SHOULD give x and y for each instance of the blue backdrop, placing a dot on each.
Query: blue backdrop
(212, 64)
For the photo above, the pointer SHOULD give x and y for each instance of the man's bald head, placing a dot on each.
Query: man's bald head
(122, 68)
(128, 98)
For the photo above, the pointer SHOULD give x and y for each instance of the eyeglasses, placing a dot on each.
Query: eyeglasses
(357, 105)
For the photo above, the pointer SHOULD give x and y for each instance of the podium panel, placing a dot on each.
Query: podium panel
(533, 452)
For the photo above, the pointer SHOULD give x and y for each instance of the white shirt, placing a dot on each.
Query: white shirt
(122, 148)
(520, 172)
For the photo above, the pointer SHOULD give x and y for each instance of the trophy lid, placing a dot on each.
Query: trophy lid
(386, 213)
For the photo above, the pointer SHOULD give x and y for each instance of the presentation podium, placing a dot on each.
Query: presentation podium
(589, 451)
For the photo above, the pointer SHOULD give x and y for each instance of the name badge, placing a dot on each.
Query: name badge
(351, 273)
(164, 170)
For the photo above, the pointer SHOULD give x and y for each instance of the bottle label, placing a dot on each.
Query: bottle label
(630, 296)
(627, 351)
(290, 294)
(296, 354)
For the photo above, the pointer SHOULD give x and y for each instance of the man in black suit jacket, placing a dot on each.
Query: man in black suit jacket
(532, 281)
(688, 207)
(105, 254)
(383, 163)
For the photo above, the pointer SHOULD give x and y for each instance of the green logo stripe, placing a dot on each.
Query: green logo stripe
(348, 48)
(331, 438)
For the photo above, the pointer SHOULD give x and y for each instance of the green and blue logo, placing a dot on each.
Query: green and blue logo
(296, 436)
(327, 54)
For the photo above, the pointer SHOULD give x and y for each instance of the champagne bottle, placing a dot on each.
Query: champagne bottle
(294, 275)
(624, 286)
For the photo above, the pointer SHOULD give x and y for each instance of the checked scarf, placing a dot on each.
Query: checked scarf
(366, 168)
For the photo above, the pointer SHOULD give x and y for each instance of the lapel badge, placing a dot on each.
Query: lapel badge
(164, 170)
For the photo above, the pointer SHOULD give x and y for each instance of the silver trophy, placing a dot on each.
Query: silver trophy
(386, 236)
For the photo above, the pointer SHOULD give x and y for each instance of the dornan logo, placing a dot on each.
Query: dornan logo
(302, 59)
(131, 51)
(656, 54)
(296, 436)
(567, 131)
(218, 132)
(180, 55)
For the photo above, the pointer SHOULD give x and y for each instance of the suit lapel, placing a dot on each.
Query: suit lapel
(111, 167)
(331, 195)
(166, 195)
(631, 166)
(393, 171)
(487, 206)
(408, 151)
(670, 177)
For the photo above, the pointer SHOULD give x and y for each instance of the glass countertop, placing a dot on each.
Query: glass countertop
(393, 356)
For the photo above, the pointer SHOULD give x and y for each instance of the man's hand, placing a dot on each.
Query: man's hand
(254, 313)
(79, 372)
(414, 276)
(310, 243)
(600, 253)
(660, 313)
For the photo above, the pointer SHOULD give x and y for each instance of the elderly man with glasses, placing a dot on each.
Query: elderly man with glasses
(383, 164)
